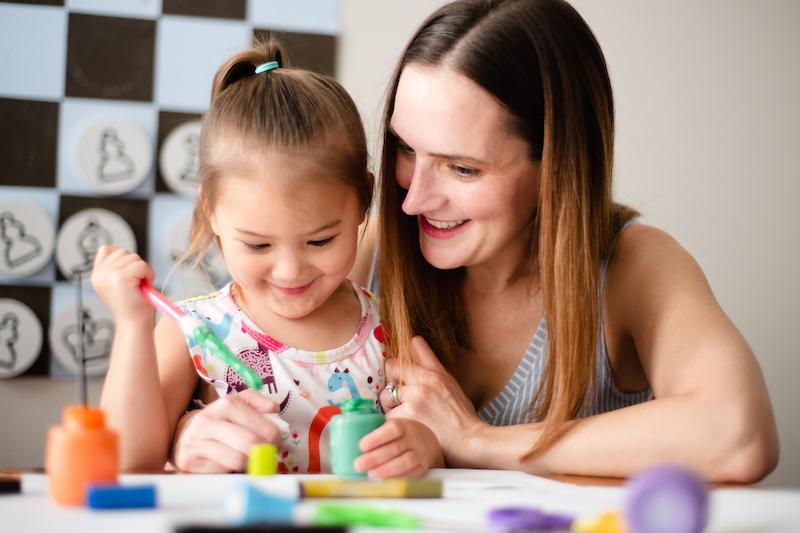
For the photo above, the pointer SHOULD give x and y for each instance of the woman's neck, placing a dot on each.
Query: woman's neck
(508, 269)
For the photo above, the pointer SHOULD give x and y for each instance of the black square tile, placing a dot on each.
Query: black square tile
(109, 57)
(38, 299)
(134, 211)
(309, 51)
(229, 9)
(168, 121)
(28, 142)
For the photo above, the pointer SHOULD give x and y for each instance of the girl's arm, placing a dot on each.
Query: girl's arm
(711, 413)
(148, 386)
(150, 377)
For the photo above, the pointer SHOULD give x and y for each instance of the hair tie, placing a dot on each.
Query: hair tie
(266, 67)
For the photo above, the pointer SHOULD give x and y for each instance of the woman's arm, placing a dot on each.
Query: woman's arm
(711, 413)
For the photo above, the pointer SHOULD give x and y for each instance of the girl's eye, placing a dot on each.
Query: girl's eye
(255, 246)
(322, 242)
(462, 171)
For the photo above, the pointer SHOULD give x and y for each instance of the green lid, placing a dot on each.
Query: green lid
(358, 405)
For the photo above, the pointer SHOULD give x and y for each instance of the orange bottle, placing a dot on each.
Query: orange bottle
(81, 451)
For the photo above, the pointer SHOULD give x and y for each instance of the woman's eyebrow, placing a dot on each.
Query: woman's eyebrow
(453, 157)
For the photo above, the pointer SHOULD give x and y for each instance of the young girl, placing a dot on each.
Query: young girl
(284, 189)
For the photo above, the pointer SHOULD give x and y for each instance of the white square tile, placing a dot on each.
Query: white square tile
(189, 52)
(76, 115)
(33, 43)
(311, 16)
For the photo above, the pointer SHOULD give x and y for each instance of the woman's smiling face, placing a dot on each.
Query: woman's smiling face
(470, 180)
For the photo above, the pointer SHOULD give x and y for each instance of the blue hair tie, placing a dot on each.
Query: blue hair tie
(266, 67)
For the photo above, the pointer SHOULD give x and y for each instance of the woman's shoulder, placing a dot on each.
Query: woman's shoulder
(649, 273)
(643, 251)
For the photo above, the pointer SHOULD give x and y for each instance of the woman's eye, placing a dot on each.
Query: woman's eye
(462, 171)
(322, 242)
(406, 149)
(252, 246)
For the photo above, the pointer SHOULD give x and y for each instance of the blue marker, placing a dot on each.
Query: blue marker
(121, 496)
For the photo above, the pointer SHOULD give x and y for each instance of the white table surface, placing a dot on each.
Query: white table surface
(468, 496)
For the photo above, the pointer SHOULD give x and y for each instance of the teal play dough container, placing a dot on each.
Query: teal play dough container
(358, 418)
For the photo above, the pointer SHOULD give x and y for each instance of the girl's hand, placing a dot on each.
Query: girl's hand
(430, 394)
(217, 439)
(399, 448)
(116, 276)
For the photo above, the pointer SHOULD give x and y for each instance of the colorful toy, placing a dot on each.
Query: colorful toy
(201, 334)
(361, 488)
(80, 452)
(262, 460)
(666, 499)
(358, 418)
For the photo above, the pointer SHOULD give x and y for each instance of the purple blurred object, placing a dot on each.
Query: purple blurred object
(666, 499)
(528, 519)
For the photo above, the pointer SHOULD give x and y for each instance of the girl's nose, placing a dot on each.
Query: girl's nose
(424, 194)
(288, 269)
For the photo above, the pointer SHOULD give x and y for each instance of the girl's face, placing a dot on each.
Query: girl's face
(470, 181)
(288, 237)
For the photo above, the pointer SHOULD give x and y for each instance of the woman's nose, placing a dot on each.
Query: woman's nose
(423, 192)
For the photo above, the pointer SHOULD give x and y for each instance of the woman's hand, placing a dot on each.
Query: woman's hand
(217, 439)
(399, 448)
(430, 394)
(116, 276)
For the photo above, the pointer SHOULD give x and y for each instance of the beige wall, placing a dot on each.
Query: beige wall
(708, 138)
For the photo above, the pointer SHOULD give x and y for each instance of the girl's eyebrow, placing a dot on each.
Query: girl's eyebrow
(452, 157)
(327, 225)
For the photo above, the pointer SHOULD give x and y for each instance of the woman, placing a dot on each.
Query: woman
(496, 213)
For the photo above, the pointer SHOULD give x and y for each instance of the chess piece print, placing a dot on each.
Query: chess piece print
(20, 338)
(192, 163)
(178, 160)
(97, 336)
(82, 235)
(18, 246)
(66, 335)
(27, 234)
(9, 335)
(89, 242)
(115, 164)
(113, 156)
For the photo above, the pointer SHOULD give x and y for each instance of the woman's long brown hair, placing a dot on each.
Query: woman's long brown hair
(542, 63)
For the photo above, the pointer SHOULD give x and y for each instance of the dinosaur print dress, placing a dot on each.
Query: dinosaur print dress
(308, 386)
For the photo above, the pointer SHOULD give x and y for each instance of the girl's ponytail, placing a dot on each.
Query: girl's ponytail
(243, 64)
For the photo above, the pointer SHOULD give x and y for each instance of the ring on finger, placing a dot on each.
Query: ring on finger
(392, 388)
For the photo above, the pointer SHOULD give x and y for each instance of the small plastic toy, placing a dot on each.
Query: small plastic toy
(80, 452)
(262, 460)
(666, 499)
(357, 418)
(195, 329)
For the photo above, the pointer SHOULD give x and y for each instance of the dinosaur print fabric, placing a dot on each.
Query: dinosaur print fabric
(308, 386)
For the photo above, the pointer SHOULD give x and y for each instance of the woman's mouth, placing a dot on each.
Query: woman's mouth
(442, 229)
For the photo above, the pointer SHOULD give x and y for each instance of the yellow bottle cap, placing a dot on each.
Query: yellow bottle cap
(263, 460)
